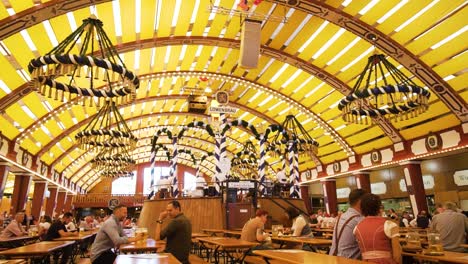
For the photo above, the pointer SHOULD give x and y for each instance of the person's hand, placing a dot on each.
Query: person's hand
(163, 215)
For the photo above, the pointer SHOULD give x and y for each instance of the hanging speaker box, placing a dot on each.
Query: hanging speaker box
(250, 43)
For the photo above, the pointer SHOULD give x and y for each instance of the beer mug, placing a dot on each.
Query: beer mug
(435, 245)
(274, 230)
(413, 240)
(144, 231)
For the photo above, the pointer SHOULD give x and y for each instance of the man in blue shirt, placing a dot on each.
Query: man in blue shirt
(110, 236)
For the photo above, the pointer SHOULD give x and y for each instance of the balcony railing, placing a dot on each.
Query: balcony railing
(102, 199)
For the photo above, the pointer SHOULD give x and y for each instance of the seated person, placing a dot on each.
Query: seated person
(300, 223)
(253, 231)
(71, 227)
(44, 226)
(88, 223)
(14, 228)
(452, 227)
(57, 230)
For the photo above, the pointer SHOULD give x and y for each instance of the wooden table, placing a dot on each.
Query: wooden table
(448, 257)
(41, 249)
(78, 236)
(82, 241)
(296, 256)
(150, 245)
(304, 240)
(233, 233)
(16, 241)
(213, 232)
(196, 235)
(13, 261)
(158, 258)
(226, 245)
(314, 243)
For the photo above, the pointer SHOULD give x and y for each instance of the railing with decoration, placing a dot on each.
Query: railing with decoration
(102, 199)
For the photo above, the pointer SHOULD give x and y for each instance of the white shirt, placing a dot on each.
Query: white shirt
(298, 225)
(281, 176)
(71, 227)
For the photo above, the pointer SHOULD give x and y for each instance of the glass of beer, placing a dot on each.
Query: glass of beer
(413, 240)
(435, 245)
(144, 231)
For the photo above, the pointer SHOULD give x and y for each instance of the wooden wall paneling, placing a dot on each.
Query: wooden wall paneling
(276, 212)
(203, 213)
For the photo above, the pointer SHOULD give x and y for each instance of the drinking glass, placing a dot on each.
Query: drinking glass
(413, 240)
(435, 245)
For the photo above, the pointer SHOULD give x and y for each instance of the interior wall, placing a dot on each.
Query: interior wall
(105, 186)
(442, 169)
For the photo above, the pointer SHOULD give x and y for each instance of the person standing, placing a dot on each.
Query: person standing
(378, 238)
(111, 236)
(452, 227)
(343, 242)
(253, 230)
(178, 232)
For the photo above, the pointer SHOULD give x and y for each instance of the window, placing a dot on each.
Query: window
(124, 185)
(148, 181)
(190, 181)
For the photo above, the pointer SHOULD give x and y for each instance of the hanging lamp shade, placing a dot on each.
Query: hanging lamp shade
(96, 71)
(383, 90)
(106, 130)
(295, 132)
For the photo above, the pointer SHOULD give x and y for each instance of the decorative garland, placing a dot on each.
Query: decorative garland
(242, 123)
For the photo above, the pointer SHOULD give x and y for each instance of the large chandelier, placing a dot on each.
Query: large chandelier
(62, 75)
(378, 97)
(110, 160)
(244, 164)
(107, 129)
(294, 132)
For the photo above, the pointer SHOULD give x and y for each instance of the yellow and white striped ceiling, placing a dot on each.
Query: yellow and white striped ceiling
(307, 65)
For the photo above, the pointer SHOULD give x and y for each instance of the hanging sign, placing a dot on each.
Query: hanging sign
(222, 110)
(343, 192)
(242, 185)
(428, 181)
(378, 188)
(461, 178)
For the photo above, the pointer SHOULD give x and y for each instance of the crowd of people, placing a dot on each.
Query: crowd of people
(364, 231)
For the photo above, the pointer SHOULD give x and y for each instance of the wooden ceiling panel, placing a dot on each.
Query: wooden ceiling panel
(164, 102)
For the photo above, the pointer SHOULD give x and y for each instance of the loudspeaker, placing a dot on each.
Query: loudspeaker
(250, 43)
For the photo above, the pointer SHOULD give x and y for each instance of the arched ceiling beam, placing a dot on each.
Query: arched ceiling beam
(422, 71)
(39, 13)
(454, 102)
(383, 123)
(49, 115)
(302, 108)
(186, 162)
(64, 154)
(138, 101)
(88, 171)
